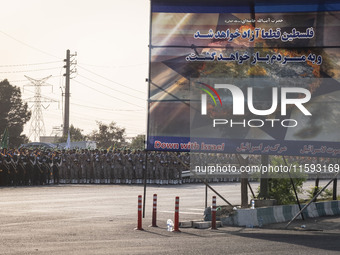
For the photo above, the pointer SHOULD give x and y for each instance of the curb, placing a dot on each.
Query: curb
(205, 224)
(277, 214)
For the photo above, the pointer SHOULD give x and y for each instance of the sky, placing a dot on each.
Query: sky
(110, 38)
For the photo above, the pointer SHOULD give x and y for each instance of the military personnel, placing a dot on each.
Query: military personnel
(112, 166)
(120, 166)
(163, 173)
(63, 167)
(158, 168)
(129, 166)
(34, 167)
(14, 167)
(172, 168)
(87, 167)
(21, 164)
(69, 162)
(139, 166)
(178, 169)
(41, 168)
(75, 167)
(1, 170)
(97, 166)
(56, 163)
(150, 167)
(106, 167)
(5, 170)
(82, 172)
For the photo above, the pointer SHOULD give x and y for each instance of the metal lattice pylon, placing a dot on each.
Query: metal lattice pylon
(37, 127)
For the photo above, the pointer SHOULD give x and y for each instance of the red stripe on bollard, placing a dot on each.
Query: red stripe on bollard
(154, 211)
(176, 223)
(213, 213)
(139, 212)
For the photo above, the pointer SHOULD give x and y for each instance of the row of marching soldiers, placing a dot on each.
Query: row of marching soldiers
(40, 167)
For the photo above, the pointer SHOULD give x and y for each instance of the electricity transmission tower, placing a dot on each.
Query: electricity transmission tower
(37, 127)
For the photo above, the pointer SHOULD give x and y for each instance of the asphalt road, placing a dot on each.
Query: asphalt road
(100, 219)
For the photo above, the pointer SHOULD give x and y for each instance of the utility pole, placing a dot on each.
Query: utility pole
(67, 94)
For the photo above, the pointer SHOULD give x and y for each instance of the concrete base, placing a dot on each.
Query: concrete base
(205, 224)
(264, 203)
(185, 224)
(283, 213)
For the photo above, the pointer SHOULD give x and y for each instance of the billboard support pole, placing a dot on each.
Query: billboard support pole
(292, 182)
(264, 178)
(146, 167)
(206, 190)
(251, 190)
(202, 179)
(148, 108)
(335, 184)
(244, 183)
(312, 200)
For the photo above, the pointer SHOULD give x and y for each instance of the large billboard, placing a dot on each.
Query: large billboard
(249, 77)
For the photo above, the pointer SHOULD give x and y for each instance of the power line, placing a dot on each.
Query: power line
(107, 94)
(106, 109)
(53, 76)
(121, 124)
(142, 64)
(31, 64)
(110, 80)
(34, 70)
(30, 46)
(110, 87)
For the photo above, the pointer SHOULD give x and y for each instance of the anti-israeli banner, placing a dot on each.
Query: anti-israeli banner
(248, 77)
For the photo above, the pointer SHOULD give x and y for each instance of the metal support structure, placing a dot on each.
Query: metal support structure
(206, 190)
(292, 182)
(144, 180)
(312, 200)
(251, 190)
(244, 182)
(335, 187)
(206, 183)
(264, 188)
(317, 181)
(37, 127)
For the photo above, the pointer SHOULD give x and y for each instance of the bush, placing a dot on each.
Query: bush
(325, 195)
(280, 186)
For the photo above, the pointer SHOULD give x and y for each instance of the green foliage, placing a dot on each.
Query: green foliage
(75, 134)
(108, 135)
(325, 195)
(138, 142)
(14, 114)
(280, 186)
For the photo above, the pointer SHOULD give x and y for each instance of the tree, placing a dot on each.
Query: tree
(75, 134)
(280, 186)
(108, 135)
(13, 113)
(138, 142)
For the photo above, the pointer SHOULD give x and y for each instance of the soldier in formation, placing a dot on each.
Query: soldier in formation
(43, 167)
